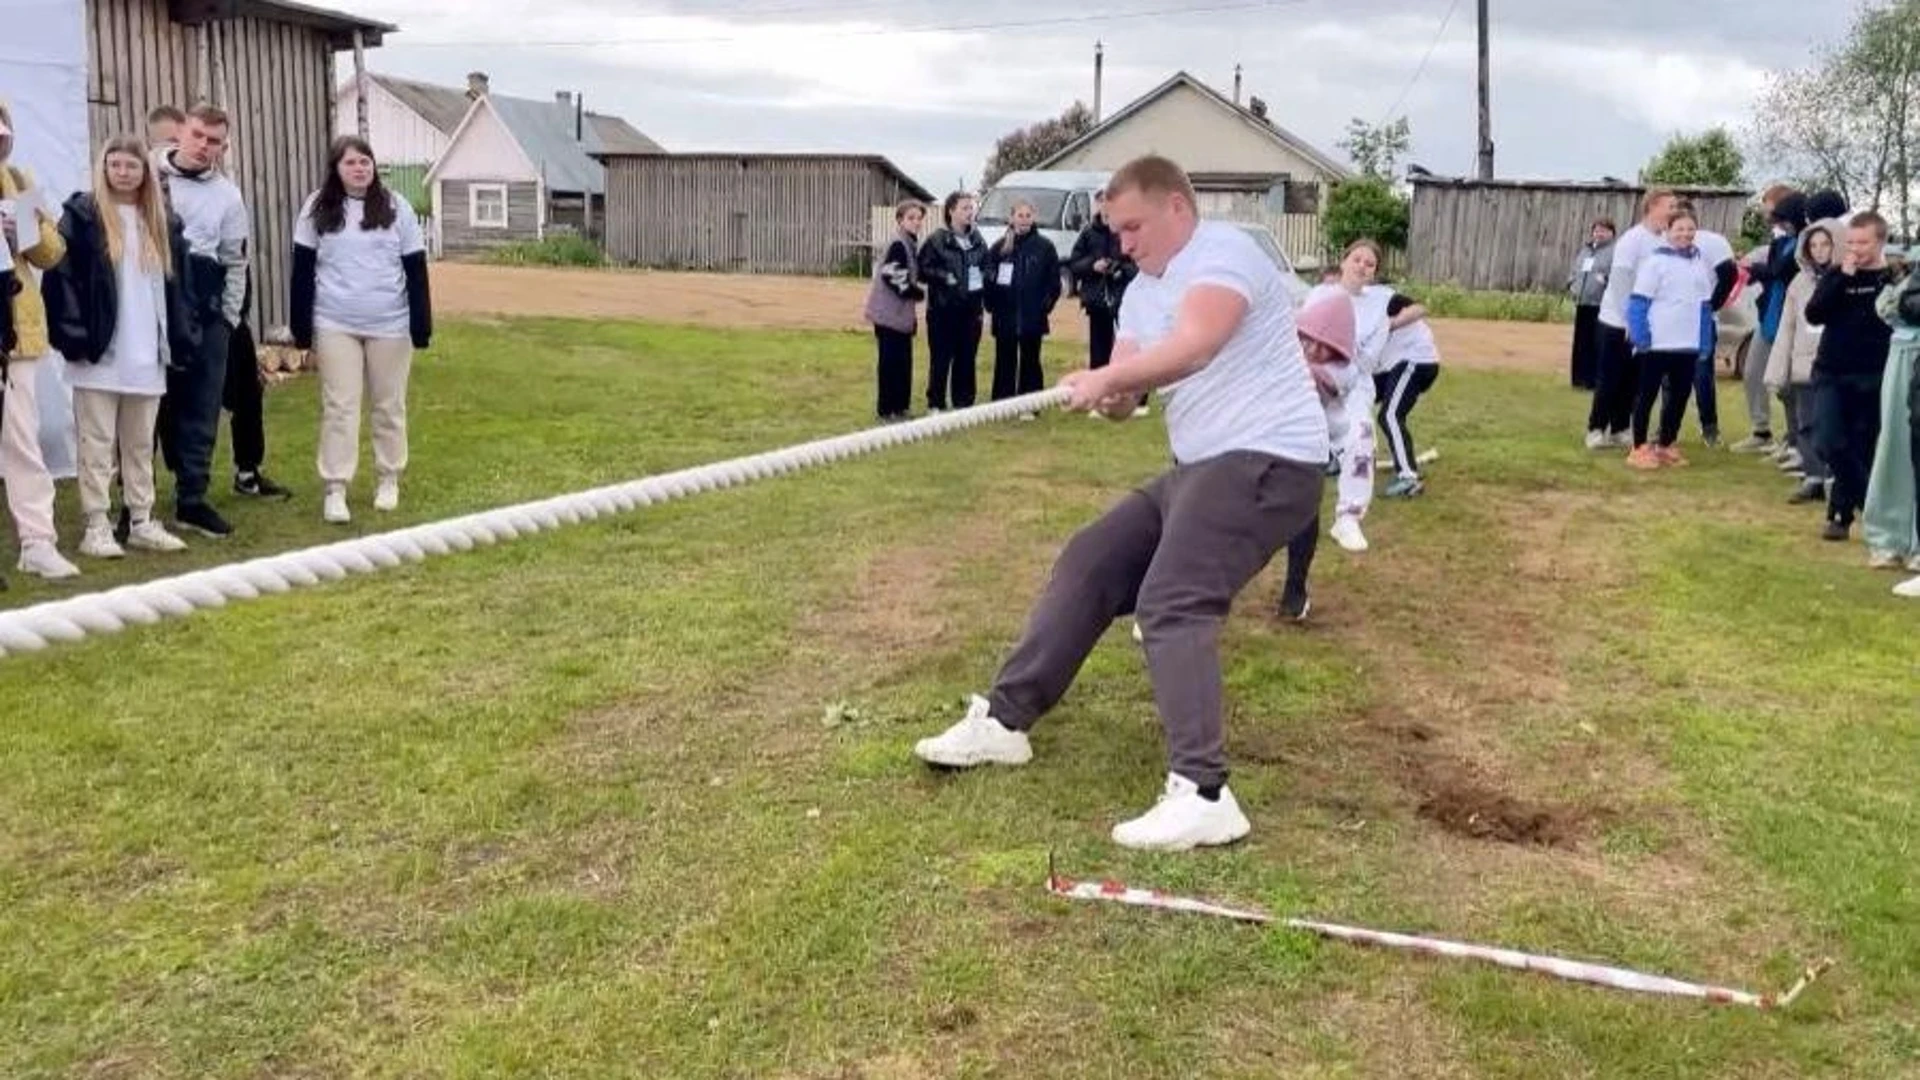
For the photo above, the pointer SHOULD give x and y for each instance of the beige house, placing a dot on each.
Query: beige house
(1245, 166)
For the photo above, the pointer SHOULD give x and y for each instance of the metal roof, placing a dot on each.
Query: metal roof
(544, 130)
(442, 106)
(1264, 125)
(338, 25)
(615, 136)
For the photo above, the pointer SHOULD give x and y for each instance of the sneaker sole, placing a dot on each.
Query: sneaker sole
(1233, 834)
(940, 760)
(192, 528)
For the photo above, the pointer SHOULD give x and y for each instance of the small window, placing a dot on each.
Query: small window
(487, 206)
(1303, 197)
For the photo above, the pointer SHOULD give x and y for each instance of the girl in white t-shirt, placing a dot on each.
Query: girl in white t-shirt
(1354, 448)
(360, 302)
(114, 310)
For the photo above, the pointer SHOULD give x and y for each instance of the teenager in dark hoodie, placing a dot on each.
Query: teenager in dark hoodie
(890, 300)
(1102, 272)
(1775, 270)
(953, 270)
(1848, 369)
(217, 229)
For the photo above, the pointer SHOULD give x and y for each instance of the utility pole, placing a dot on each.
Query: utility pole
(1486, 101)
(1099, 66)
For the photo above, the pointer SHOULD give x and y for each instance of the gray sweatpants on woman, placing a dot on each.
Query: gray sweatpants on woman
(1174, 553)
(1803, 440)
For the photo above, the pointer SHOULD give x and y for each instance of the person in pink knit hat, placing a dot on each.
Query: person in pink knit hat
(1326, 329)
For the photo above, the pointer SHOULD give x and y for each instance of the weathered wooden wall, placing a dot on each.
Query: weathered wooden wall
(275, 81)
(763, 214)
(1518, 237)
(458, 237)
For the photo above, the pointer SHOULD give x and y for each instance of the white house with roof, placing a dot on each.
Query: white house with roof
(495, 169)
(1243, 164)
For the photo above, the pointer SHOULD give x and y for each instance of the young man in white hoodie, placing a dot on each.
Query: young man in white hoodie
(217, 230)
(1209, 322)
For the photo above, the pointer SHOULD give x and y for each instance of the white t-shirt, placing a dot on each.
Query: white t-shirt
(133, 363)
(359, 287)
(1411, 344)
(1636, 244)
(1714, 248)
(1255, 394)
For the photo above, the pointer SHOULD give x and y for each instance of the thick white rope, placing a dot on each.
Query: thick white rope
(33, 628)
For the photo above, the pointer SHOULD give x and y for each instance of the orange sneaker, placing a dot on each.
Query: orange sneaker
(1644, 457)
(1670, 457)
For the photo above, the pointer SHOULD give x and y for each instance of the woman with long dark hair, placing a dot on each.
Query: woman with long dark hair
(360, 302)
(890, 308)
(953, 269)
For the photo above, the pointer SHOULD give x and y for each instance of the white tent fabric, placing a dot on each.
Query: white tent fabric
(43, 77)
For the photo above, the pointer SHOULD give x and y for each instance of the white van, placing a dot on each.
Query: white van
(1062, 204)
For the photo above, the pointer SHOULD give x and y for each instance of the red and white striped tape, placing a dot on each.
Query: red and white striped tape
(1575, 970)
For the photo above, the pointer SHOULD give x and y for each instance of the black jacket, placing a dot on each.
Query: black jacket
(1020, 308)
(1100, 292)
(9, 341)
(946, 268)
(306, 268)
(1855, 340)
(82, 293)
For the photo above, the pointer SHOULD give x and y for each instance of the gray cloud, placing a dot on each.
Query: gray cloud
(1581, 87)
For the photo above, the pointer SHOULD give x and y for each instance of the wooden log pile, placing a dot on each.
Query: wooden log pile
(280, 359)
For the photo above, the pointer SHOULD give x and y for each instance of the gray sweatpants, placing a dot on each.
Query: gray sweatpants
(1174, 553)
(1753, 379)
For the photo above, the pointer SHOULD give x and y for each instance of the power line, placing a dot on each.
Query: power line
(1445, 19)
(878, 31)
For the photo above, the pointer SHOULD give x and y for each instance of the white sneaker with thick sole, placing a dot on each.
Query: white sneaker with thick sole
(1598, 440)
(386, 496)
(1913, 563)
(98, 543)
(1909, 589)
(1623, 439)
(978, 739)
(42, 559)
(1138, 636)
(1791, 462)
(333, 509)
(150, 535)
(1346, 532)
(1141, 412)
(1182, 820)
(1883, 560)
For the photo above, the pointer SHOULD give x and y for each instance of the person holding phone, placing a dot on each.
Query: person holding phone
(1102, 271)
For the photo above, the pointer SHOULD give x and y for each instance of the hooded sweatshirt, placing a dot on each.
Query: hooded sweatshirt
(215, 219)
(1782, 265)
(1854, 343)
(1798, 342)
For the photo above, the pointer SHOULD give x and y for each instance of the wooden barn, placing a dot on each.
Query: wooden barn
(1521, 235)
(268, 63)
(757, 213)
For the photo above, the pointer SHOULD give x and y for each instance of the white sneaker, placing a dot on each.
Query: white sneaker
(98, 543)
(387, 495)
(1141, 412)
(1182, 820)
(333, 509)
(42, 559)
(1909, 589)
(1137, 635)
(1598, 440)
(978, 739)
(1791, 462)
(1346, 532)
(1027, 417)
(1623, 439)
(1913, 563)
(150, 535)
(1882, 560)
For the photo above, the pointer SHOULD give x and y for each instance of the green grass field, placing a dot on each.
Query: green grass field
(636, 798)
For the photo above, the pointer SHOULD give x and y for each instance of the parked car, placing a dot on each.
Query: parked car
(1296, 285)
(1737, 321)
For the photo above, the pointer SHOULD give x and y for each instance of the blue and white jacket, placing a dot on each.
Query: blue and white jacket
(1671, 307)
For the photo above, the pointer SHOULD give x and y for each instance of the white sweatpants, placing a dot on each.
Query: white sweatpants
(1350, 426)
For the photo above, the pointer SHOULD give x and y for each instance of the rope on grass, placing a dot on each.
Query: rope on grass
(33, 628)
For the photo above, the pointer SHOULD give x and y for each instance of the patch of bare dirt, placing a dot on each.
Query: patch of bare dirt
(771, 302)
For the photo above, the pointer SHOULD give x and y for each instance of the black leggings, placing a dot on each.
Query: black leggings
(1016, 367)
(1398, 391)
(1674, 370)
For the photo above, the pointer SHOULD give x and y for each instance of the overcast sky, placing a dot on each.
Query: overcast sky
(1581, 88)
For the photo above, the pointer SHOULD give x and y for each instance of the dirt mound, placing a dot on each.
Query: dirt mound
(1481, 814)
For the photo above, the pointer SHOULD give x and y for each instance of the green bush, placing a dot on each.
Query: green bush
(558, 249)
(1453, 302)
(1366, 208)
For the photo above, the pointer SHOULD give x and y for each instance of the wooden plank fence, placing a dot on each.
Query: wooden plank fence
(1518, 236)
(1301, 236)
